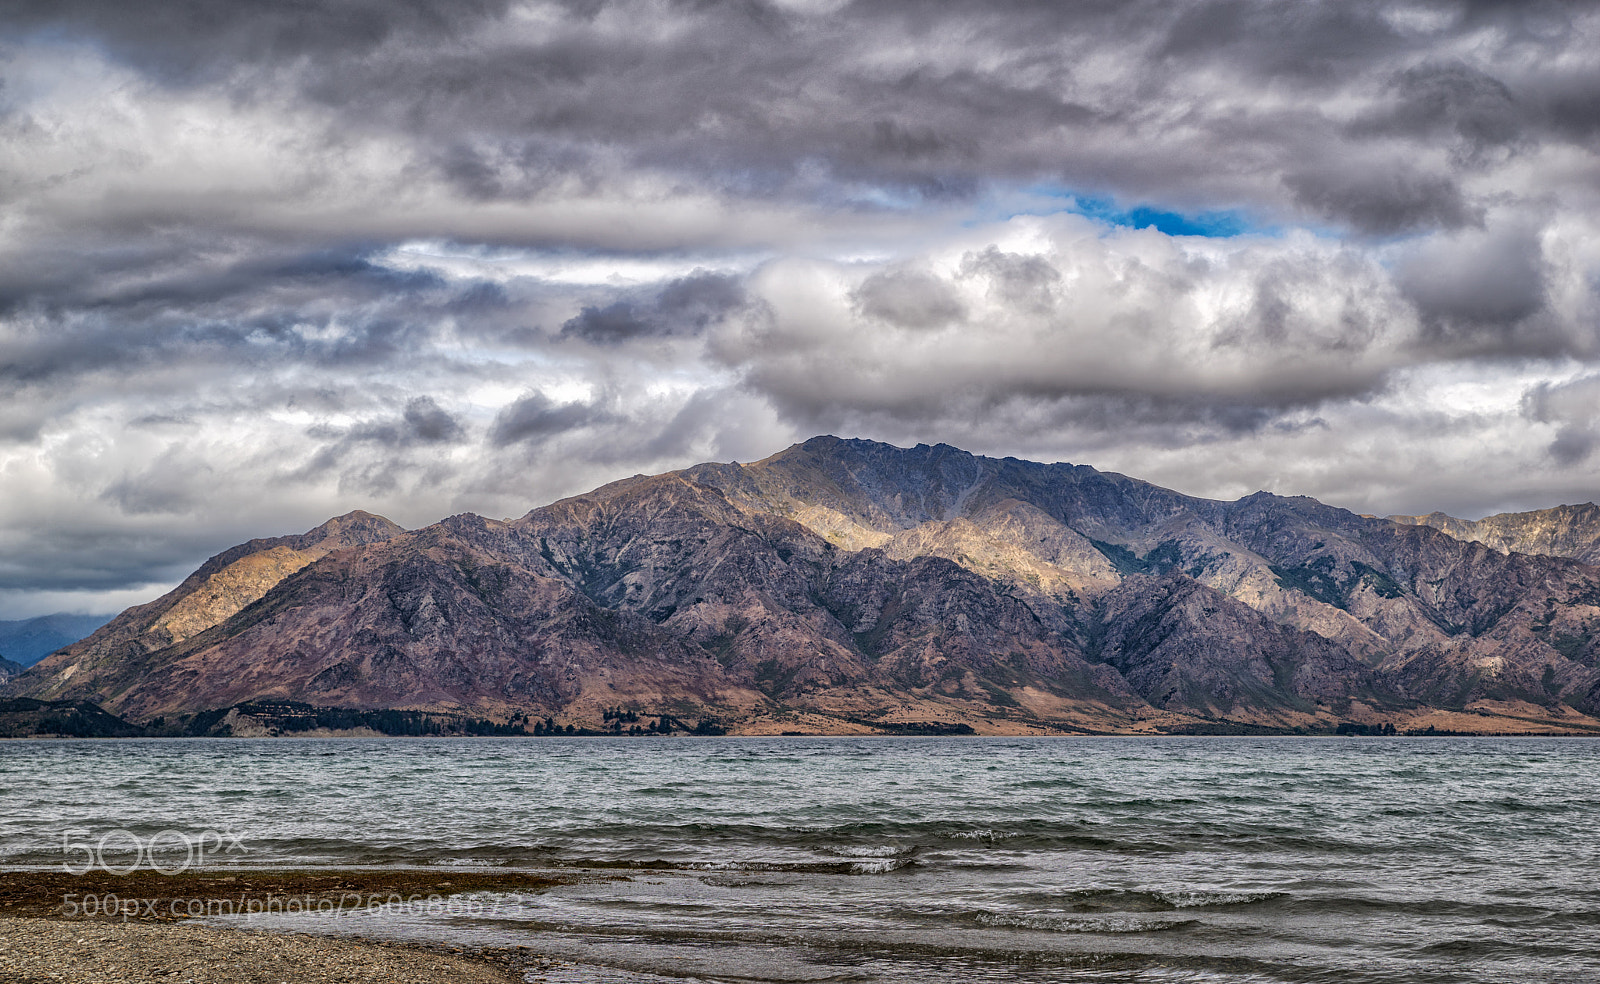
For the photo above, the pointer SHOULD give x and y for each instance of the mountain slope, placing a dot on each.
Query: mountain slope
(223, 586)
(844, 582)
(422, 620)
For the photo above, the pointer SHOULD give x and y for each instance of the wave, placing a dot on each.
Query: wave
(1111, 924)
(1151, 899)
(1366, 905)
(1210, 899)
(875, 866)
(1484, 947)
(871, 851)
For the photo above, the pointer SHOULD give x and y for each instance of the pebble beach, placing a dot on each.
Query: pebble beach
(42, 940)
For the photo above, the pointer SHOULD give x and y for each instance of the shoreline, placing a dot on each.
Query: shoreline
(28, 718)
(147, 935)
(1588, 732)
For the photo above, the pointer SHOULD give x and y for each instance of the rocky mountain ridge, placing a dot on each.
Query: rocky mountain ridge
(843, 585)
(1563, 531)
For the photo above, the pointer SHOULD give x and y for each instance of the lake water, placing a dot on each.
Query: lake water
(899, 859)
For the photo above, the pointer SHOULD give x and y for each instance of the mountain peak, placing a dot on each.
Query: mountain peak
(357, 526)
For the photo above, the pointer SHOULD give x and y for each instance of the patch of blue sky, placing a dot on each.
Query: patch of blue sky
(1211, 224)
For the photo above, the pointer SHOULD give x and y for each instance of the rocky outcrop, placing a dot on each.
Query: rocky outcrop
(841, 583)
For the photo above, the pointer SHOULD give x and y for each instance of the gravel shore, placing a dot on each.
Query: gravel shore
(51, 951)
(42, 943)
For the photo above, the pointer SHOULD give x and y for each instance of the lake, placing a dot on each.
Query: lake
(891, 859)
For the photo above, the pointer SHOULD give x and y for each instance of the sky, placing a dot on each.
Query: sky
(264, 263)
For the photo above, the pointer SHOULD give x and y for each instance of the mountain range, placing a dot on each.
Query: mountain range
(851, 586)
(26, 641)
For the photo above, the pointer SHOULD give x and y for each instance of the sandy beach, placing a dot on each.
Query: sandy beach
(49, 934)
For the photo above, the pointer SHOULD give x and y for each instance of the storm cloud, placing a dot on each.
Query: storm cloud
(261, 263)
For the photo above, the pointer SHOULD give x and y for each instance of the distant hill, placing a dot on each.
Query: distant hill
(20, 718)
(846, 586)
(1564, 531)
(29, 640)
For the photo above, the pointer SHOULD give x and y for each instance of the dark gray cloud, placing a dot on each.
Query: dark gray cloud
(1382, 197)
(325, 306)
(103, 558)
(395, 452)
(686, 306)
(1572, 407)
(191, 41)
(1472, 112)
(428, 423)
(422, 422)
(535, 417)
(1489, 280)
(280, 261)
